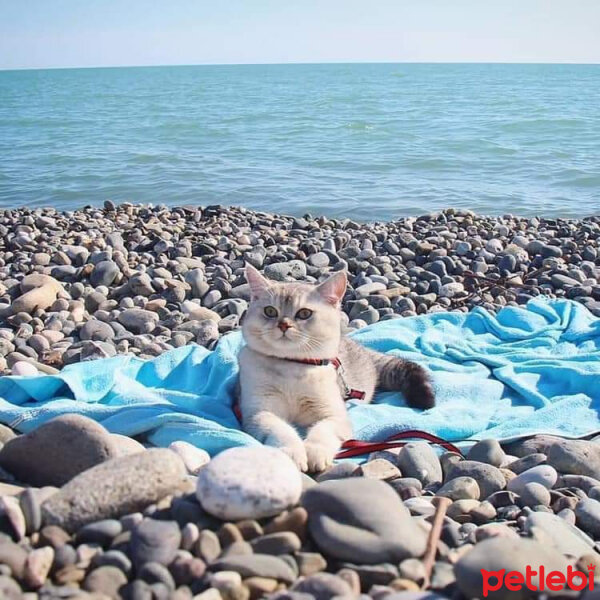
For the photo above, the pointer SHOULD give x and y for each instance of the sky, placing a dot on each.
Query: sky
(91, 33)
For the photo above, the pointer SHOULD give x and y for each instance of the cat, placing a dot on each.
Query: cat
(287, 323)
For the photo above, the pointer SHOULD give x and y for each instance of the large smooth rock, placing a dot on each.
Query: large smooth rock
(120, 486)
(488, 478)
(419, 460)
(543, 474)
(249, 483)
(576, 457)
(57, 451)
(508, 553)
(363, 521)
(567, 538)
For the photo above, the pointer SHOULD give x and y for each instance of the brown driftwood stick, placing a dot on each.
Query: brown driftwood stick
(441, 506)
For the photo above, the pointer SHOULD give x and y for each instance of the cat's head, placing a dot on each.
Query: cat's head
(294, 320)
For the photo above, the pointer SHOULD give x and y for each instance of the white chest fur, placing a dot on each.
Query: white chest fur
(301, 394)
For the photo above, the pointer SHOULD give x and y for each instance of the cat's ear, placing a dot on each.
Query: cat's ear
(258, 284)
(333, 288)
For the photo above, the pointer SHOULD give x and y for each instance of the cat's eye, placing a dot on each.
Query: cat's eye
(270, 311)
(304, 313)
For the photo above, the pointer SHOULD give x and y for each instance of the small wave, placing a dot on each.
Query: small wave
(360, 126)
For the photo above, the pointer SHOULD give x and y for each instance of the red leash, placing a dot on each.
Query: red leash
(352, 448)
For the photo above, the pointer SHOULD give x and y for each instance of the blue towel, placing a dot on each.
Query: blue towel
(534, 369)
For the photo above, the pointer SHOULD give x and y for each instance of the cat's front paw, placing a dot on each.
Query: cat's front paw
(319, 457)
(298, 454)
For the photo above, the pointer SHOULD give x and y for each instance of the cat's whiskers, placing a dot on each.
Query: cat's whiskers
(308, 342)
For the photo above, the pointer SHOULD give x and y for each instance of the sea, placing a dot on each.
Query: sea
(372, 142)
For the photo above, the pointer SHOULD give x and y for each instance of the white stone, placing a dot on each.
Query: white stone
(249, 483)
(543, 474)
(23, 368)
(193, 458)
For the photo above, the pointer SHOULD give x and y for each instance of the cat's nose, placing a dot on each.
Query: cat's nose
(283, 325)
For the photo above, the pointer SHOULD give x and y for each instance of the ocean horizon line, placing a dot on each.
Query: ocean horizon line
(298, 63)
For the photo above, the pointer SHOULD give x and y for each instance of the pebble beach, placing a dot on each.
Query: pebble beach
(96, 282)
(89, 514)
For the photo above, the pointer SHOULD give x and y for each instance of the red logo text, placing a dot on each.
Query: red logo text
(553, 580)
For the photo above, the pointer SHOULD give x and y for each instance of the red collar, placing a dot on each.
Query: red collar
(351, 393)
(317, 362)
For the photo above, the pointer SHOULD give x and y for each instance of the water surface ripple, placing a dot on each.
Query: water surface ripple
(370, 141)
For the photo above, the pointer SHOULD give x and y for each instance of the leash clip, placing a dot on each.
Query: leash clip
(349, 393)
(341, 374)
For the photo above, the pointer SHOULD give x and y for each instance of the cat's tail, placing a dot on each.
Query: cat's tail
(396, 374)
